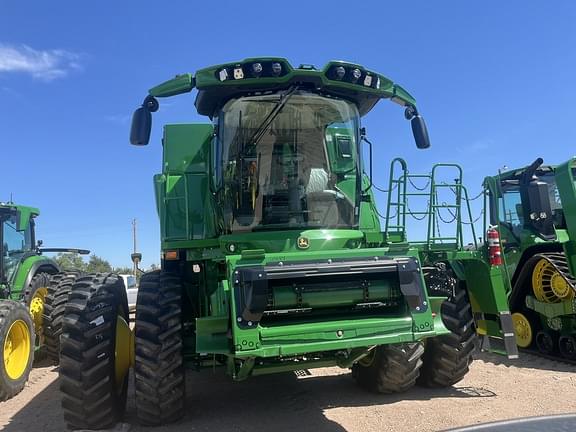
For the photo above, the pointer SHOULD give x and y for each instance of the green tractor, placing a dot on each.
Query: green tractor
(531, 211)
(273, 257)
(30, 322)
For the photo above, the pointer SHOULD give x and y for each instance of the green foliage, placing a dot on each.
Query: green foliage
(70, 261)
(95, 264)
(98, 265)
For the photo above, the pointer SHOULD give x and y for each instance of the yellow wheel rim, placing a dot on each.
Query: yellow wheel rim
(17, 349)
(37, 309)
(523, 330)
(124, 352)
(549, 285)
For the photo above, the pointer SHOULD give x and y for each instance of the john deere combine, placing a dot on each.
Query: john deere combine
(532, 210)
(27, 281)
(273, 258)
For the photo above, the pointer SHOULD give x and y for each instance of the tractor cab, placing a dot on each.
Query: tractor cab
(288, 160)
(16, 238)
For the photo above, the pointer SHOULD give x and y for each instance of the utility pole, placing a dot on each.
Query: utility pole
(136, 256)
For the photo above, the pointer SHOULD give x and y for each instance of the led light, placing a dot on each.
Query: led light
(232, 247)
(223, 75)
(378, 82)
(276, 68)
(340, 72)
(171, 255)
(356, 74)
(238, 73)
(257, 69)
(368, 80)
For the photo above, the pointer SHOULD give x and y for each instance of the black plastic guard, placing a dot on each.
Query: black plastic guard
(250, 284)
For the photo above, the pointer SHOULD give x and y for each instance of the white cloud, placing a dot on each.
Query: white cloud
(40, 64)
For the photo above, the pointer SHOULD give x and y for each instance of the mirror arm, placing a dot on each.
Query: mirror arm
(180, 84)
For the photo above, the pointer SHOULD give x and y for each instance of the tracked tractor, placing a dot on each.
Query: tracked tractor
(28, 280)
(273, 257)
(533, 236)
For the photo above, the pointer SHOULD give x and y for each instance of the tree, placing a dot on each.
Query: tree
(123, 270)
(98, 265)
(70, 261)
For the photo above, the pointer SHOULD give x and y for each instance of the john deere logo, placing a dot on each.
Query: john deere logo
(303, 243)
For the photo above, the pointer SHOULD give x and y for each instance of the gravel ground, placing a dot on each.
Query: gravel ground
(328, 400)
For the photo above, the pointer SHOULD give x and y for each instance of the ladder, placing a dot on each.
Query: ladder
(402, 187)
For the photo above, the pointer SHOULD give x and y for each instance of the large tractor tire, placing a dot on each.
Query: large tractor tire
(35, 299)
(54, 307)
(95, 352)
(17, 339)
(390, 368)
(158, 366)
(447, 358)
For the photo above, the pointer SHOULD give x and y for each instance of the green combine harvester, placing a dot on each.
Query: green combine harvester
(273, 256)
(531, 211)
(30, 290)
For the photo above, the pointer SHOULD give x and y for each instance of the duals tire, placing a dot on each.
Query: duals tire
(447, 358)
(158, 366)
(390, 368)
(92, 395)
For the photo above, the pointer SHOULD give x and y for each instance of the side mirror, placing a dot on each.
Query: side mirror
(420, 132)
(540, 215)
(141, 127)
(142, 122)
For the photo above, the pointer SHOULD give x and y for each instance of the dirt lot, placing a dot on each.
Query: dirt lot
(328, 400)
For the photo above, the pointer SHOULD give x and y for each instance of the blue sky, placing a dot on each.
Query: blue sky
(494, 80)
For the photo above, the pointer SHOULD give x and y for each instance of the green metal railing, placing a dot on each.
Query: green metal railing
(399, 195)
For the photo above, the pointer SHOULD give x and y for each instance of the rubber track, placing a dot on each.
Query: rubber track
(560, 263)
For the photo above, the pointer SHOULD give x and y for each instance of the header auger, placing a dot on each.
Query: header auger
(273, 257)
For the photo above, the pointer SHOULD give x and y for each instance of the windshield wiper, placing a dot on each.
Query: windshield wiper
(261, 130)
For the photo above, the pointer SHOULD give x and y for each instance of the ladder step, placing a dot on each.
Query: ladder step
(397, 204)
(445, 206)
(443, 238)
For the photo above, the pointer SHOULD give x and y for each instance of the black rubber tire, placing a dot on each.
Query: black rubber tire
(392, 368)
(91, 397)
(447, 358)
(54, 307)
(159, 368)
(11, 311)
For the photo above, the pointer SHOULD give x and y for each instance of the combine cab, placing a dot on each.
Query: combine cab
(531, 212)
(30, 288)
(273, 258)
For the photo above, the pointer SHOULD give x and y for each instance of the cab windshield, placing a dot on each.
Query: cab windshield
(15, 244)
(288, 161)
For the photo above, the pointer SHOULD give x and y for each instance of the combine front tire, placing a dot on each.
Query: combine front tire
(447, 357)
(390, 368)
(95, 352)
(17, 342)
(158, 367)
(54, 307)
